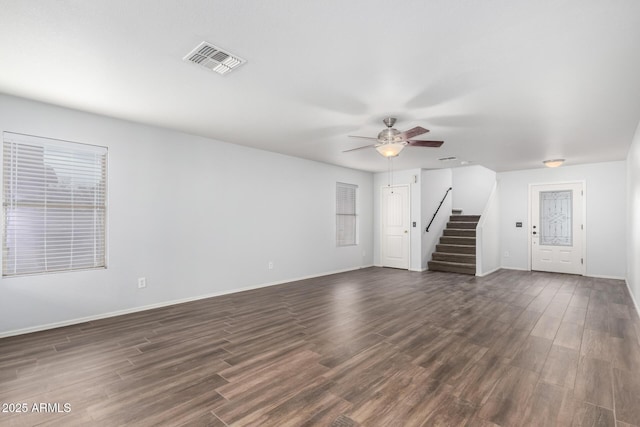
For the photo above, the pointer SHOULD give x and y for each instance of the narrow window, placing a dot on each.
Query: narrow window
(54, 205)
(346, 214)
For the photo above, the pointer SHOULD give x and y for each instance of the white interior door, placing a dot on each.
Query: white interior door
(396, 217)
(557, 224)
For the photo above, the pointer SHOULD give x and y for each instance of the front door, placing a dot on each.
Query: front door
(395, 227)
(557, 224)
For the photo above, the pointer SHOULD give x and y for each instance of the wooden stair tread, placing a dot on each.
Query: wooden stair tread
(461, 237)
(458, 240)
(458, 249)
(461, 264)
(452, 267)
(449, 257)
(450, 253)
(459, 233)
(461, 218)
(462, 225)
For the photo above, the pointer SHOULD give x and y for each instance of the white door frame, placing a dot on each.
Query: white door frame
(380, 252)
(584, 220)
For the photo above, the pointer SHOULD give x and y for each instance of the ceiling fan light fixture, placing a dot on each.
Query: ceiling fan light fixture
(389, 135)
(390, 150)
(390, 142)
(553, 163)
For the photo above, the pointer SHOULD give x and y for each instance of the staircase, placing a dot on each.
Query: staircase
(456, 252)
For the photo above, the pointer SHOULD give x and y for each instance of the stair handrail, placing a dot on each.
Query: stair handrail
(436, 212)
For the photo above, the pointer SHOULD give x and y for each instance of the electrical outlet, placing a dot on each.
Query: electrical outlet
(270, 265)
(142, 282)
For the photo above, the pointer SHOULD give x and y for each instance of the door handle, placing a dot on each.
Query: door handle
(535, 232)
(405, 231)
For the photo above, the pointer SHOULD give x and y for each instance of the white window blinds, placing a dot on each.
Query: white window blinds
(346, 215)
(54, 205)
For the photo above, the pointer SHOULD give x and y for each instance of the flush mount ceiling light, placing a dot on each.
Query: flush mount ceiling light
(213, 58)
(554, 163)
(390, 149)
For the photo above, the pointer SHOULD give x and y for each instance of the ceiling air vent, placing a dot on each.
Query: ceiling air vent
(213, 58)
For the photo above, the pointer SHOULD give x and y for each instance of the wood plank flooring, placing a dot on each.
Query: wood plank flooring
(374, 347)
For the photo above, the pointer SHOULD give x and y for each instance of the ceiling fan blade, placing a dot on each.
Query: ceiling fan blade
(360, 148)
(418, 130)
(363, 137)
(416, 143)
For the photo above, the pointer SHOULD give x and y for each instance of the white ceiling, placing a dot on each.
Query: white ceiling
(505, 83)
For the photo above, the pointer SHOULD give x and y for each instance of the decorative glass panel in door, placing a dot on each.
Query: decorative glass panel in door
(556, 227)
(556, 222)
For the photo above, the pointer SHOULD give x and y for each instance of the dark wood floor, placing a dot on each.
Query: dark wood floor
(375, 347)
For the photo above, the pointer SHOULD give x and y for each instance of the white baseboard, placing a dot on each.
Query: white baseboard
(410, 269)
(488, 272)
(166, 304)
(515, 268)
(595, 276)
(635, 301)
(600, 276)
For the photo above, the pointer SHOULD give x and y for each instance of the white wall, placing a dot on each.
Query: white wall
(472, 186)
(434, 186)
(488, 236)
(194, 216)
(605, 214)
(633, 219)
(401, 177)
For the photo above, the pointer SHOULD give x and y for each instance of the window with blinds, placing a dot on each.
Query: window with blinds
(346, 214)
(54, 205)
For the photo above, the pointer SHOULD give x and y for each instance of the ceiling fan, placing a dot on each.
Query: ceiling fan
(391, 141)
